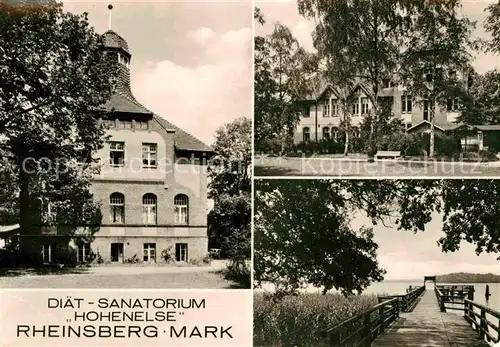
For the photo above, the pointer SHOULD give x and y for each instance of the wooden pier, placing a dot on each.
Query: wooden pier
(444, 316)
(426, 326)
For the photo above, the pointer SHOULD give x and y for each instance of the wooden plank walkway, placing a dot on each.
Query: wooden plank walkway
(427, 326)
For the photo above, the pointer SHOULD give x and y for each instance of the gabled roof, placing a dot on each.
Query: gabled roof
(442, 127)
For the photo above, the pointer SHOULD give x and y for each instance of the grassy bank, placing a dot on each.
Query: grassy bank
(298, 320)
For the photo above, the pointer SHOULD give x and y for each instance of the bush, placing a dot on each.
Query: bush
(299, 320)
(99, 259)
(168, 255)
(269, 146)
(207, 259)
(239, 271)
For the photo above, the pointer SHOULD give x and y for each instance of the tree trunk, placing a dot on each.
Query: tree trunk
(346, 147)
(24, 198)
(431, 137)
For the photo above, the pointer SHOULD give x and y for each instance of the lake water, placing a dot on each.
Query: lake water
(390, 288)
(399, 287)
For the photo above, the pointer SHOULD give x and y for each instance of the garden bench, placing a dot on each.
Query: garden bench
(388, 154)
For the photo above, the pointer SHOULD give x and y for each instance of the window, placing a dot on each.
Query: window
(355, 109)
(83, 156)
(428, 76)
(335, 133)
(356, 132)
(149, 252)
(142, 124)
(335, 107)
(82, 252)
(406, 104)
(452, 104)
(117, 153)
(326, 109)
(181, 252)
(364, 105)
(117, 204)
(128, 124)
(149, 209)
(470, 81)
(426, 109)
(47, 253)
(49, 211)
(306, 134)
(181, 204)
(326, 133)
(123, 59)
(121, 124)
(149, 155)
(307, 111)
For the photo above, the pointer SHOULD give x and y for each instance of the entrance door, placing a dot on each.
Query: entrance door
(117, 252)
(149, 252)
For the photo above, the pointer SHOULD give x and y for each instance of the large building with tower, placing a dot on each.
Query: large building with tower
(152, 184)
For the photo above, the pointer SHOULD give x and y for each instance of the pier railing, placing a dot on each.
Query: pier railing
(484, 320)
(453, 297)
(362, 329)
(406, 301)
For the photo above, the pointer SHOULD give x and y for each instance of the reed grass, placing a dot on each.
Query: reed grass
(299, 320)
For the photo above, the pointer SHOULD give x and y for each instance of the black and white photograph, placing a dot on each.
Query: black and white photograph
(125, 144)
(376, 263)
(377, 88)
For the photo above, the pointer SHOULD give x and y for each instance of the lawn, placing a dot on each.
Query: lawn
(362, 168)
(123, 276)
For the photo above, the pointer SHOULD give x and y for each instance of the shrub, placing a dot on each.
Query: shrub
(99, 259)
(132, 260)
(207, 259)
(168, 255)
(238, 271)
(269, 146)
(299, 320)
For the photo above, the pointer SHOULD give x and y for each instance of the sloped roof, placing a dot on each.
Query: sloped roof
(488, 127)
(319, 85)
(120, 103)
(442, 127)
(183, 140)
(9, 228)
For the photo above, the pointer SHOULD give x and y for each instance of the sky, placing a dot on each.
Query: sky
(286, 12)
(406, 255)
(191, 61)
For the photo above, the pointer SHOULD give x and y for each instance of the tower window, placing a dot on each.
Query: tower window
(122, 59)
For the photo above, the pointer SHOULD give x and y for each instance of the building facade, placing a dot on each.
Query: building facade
(152, 184)
(324, 111)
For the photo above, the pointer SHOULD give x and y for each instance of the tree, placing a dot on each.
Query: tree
(233, 147)
(358, 41)
(492, 26)
(230, 188)
(436, 41)
(282, 67)
(53, 81)
(481, 102)
(303, 235)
